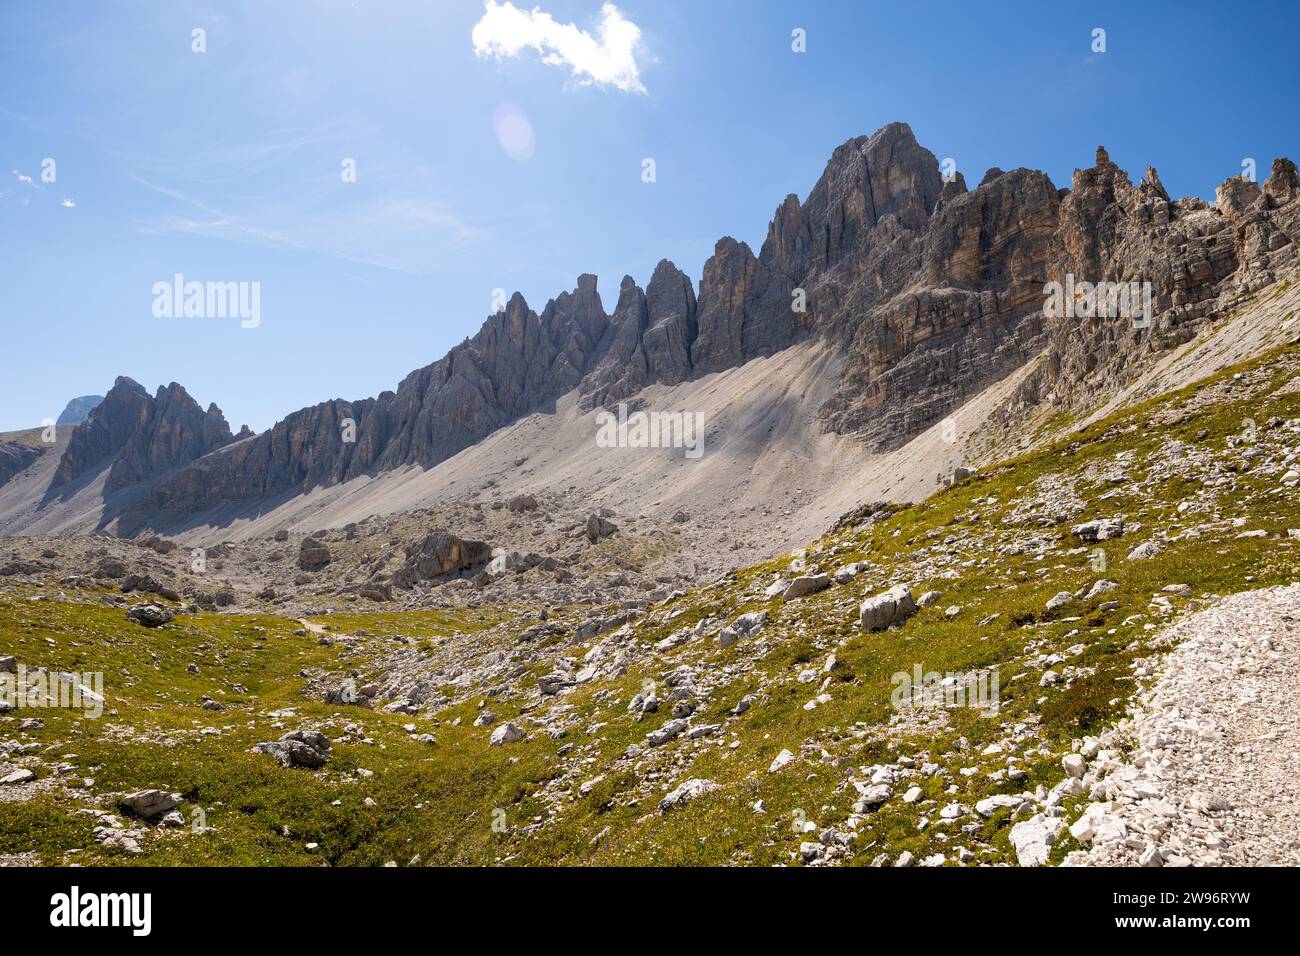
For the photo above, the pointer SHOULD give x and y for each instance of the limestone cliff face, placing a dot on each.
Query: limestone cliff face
(175, 432)
(1201, 261)
(16, 456)
(106, 430)
(931, 290)
(142, 436)
(671, 325)
(518, 362)
(622, 369)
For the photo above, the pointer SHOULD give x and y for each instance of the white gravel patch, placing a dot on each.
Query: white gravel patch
(1214, 774)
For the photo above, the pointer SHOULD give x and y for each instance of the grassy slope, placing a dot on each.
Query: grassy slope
(439, 802)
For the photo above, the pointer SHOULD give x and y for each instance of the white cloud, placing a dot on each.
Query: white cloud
(506, 31)
(25, 180)
(69, 203)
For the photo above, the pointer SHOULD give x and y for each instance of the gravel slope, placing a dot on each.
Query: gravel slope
(1214, 777)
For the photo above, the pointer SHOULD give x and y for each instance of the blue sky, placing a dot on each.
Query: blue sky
(225, 165)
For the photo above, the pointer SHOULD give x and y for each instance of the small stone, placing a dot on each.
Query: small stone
(1148, 549)
(806, 584)
(783, 759)
(1062, 598)
(688, 791)
(507, 733)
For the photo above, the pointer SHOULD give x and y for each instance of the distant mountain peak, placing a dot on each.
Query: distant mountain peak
(76, 411)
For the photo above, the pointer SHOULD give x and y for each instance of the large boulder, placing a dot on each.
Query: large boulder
(300, 748)
(439, 553)
(110, 568)
(313, 555)
(1147, 549)
(1059, 600)
(746, 625)
(347, 694)
(598, 528)
(149, 615)
(376, 591)
(150, 803)
(882, 610)
(1033, 839)
(1100, 529)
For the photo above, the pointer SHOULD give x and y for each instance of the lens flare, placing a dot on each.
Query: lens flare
(514, 132)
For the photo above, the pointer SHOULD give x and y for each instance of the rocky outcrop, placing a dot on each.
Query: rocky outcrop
(519, 362)
(299, 748)
(945, 311)
(729, 283)
(124, 410)
(649, 339)
(1200, 261)
(142, 436)
(670, 325)
(176, 432)
(15, 456)
(622, 370)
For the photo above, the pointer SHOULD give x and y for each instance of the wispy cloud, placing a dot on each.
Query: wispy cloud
(226, 163)
(403, 234)
(507, 31)
(69, 203)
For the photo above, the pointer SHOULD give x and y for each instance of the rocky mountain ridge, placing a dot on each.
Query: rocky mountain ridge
(932, 291)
